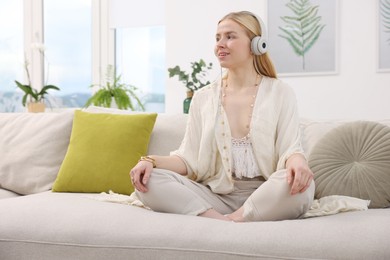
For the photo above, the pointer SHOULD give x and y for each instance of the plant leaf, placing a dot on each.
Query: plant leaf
(303, 29)
(114, 89)
(195, 79)
(385, 15)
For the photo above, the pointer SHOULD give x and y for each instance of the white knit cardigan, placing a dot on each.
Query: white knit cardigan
(206, 146)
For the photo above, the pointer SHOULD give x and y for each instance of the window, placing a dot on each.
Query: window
(72, 60)
(140, 58)
(67, 37)
(11, 54)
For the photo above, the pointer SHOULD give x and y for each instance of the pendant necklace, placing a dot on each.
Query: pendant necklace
(253, 99)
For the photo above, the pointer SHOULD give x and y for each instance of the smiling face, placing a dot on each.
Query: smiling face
(232, 46)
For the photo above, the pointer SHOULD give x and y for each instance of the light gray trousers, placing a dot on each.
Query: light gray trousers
(263, 200)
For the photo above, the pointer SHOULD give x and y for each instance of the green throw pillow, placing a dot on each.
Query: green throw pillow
(102, 150)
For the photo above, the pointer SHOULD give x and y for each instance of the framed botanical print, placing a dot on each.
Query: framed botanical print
(383, 36)
(303, 36)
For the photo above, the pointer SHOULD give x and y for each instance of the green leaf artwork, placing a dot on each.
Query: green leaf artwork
(303, 29)
(385, 14)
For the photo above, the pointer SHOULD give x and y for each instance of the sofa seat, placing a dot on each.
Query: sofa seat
(52, 225)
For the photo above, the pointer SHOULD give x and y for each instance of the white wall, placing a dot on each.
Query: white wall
(356, 92)
(190, 35)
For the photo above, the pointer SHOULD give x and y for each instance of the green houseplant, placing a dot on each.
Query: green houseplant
(33, 98)
(114, 91)
(193, 80)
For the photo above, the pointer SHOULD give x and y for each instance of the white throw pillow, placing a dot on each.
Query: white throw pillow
(313, 131)
(32, 147)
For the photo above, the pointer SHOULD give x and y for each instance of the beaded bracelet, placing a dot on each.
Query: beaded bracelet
(148, 159)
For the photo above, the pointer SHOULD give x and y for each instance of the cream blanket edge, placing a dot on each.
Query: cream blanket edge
(324, 206)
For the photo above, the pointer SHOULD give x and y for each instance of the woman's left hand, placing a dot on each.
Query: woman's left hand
(299, 175)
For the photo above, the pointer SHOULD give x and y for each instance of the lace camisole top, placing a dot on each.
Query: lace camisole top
(244, 163)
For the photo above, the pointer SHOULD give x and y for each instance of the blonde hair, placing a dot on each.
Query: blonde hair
(262, 63)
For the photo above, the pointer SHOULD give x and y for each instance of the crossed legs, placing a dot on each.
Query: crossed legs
(173, 193)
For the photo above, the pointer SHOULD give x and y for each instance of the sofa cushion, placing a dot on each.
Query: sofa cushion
(7, 194)
(167, 133)
(32, 147)
(354, 160)
(103, 148)
(313, 130)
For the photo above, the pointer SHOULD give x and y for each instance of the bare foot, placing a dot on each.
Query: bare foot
(212, 213)
(237, 216)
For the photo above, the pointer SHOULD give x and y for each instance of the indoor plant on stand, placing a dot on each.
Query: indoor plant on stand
(193, 80)
(113, 93)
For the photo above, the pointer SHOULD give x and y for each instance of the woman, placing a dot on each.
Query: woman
(241, 157)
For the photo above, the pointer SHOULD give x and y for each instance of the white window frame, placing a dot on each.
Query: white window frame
(33, 33)
(103, 40)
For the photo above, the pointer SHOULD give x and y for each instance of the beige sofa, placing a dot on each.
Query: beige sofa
(41, 224)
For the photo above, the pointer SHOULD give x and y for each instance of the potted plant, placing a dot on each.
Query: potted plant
(34, 98)
(114, 93)
(193, 80)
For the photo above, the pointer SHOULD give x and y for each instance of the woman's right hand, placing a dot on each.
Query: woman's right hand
(140, 175)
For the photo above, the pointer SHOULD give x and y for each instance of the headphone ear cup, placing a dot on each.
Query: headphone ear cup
(263, 45)
(259, 45)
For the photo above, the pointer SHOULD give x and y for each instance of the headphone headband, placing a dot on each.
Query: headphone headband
(259, 44)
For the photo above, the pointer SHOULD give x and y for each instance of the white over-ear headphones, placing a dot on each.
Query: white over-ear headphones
(259, 44)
